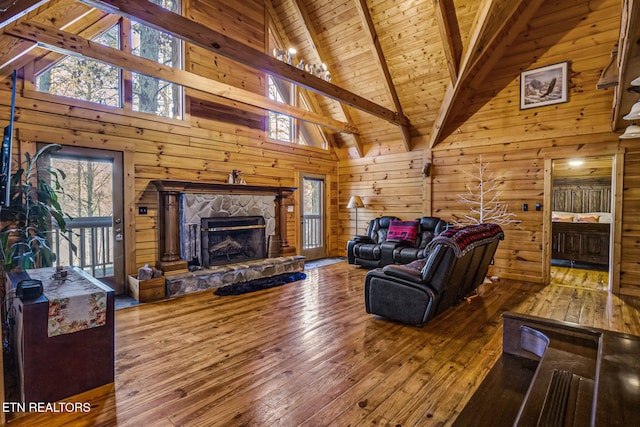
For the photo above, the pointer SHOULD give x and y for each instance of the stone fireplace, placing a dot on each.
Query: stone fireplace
(183, 205)
(190, 211)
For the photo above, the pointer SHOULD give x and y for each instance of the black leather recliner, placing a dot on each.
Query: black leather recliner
(455, 263)
(375, 249)
(428, 228)
(366, 250)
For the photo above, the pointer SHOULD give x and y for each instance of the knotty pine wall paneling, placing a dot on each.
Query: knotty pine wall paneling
(211, 142)
(388, 185)
(516, 142)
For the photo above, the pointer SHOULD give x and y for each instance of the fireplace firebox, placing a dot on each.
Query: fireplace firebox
(226, 240)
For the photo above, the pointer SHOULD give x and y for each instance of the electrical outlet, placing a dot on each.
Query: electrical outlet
(142, 210)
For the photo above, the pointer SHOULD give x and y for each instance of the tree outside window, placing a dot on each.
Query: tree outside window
(85, 79)
(93, 81)
(151, 95)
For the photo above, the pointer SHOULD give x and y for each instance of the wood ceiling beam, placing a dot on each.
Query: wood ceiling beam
(629, 63)
(450, 35)
(58, 40)
(365, 17)
(101, 23)
(493, 34)
(21, 52)
(312, 38)
(12, 10)
(200, 35)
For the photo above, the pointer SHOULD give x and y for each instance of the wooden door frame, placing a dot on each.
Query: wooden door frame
(615, 238)
(27, 142)
(299, 202)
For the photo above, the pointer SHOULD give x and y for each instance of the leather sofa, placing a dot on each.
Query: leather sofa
(377, 249)
(366, 250)
(455, 264)
(428, 228)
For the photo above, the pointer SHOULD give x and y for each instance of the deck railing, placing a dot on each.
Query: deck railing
(93, 238)
(312, 229)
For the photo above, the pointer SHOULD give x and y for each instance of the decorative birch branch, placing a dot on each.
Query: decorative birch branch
(483, 198)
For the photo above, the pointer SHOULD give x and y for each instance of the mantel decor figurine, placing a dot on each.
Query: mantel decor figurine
(235, 177)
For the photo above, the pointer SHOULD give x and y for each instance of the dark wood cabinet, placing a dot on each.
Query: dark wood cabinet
(51, 368)
(581, 242)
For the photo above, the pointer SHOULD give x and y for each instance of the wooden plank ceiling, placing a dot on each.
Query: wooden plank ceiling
(402, 71)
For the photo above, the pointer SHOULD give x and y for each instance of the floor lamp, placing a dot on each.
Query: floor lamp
(355, 202)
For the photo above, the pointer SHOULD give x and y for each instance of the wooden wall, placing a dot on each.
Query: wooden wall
(213, 140)
(517, 143)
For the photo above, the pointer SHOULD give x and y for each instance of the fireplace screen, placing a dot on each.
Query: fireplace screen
(227, 240)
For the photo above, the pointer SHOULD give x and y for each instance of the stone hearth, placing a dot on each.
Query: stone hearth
(222, 275)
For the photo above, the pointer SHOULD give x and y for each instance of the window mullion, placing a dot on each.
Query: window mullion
(125, 75)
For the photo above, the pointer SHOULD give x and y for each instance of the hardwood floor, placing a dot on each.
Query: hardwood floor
(307, 354)
(580, 278)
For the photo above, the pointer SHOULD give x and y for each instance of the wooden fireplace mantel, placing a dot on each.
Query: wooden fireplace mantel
(203, 187)
(169, 214)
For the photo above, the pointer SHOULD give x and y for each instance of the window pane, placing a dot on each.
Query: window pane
(83, 78)
(280, 126)
(151, 95)
(89, 185)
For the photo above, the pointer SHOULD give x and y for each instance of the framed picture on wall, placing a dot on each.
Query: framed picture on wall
(544, 86)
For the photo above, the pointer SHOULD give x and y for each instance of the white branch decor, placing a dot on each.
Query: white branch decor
(483, 197)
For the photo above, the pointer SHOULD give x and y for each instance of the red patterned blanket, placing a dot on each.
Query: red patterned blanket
(464, 239)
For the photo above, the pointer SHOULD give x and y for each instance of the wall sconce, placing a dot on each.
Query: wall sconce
(355, 202)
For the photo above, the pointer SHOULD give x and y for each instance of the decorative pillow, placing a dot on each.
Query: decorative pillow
(403, 231)
(562, 217)
(587, 218)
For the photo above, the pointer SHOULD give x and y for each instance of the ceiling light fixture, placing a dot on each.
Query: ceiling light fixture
(632, 131)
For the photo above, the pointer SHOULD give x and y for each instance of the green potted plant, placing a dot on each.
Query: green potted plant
(34, 205)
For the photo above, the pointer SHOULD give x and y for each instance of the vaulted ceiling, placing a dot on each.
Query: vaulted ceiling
(405, 73)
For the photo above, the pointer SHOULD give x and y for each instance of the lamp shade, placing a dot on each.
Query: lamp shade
(635, 82)
(634, 114)
(355, 202)
(632, 131)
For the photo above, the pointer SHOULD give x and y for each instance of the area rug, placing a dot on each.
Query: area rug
(258, 284)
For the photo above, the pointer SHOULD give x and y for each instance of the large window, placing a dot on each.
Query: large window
(151, 95)
(85, 79)
(281, 127)
(93, 81)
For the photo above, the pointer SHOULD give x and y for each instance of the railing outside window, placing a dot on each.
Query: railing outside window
(93, 237)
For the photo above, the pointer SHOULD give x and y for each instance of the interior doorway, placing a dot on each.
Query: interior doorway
(94, 199)
(312, 201)
(582, 222)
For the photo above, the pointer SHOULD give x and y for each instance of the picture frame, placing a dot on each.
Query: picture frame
(544, 85)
